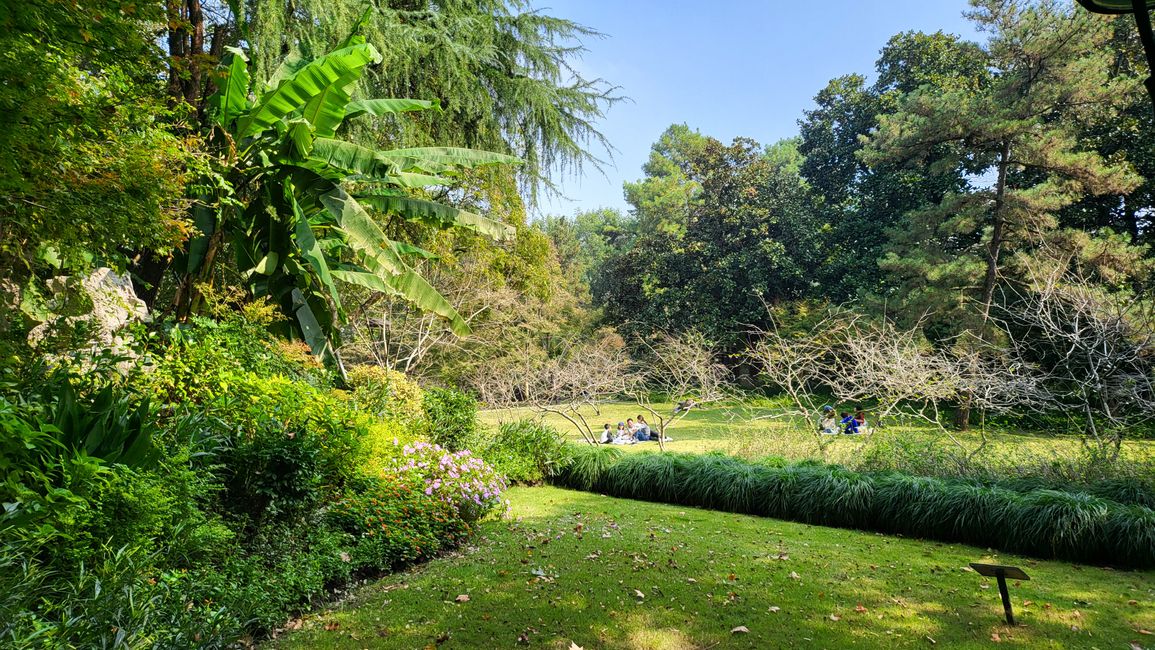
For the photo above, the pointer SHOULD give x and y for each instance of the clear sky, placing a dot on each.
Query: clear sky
(728, 69)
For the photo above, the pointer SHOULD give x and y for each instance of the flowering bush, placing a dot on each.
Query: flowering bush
(458, 478)
(394, 523)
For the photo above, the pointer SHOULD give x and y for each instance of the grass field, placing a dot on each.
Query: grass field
(761, 430)
(577, 568)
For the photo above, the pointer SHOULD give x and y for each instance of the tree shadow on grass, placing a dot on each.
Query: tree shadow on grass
(611, 573)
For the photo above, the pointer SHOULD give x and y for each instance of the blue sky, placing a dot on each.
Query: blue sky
(728, 69)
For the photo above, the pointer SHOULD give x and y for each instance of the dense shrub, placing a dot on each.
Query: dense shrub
(450, 417)
(464, 482)
(393, 523)
(387, 394)
(241, 500)
(526, 451)
(1044, 522)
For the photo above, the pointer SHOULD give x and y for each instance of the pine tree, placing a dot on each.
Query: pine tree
(1015, 137)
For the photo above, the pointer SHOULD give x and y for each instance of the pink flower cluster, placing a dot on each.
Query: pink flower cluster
(460, 479)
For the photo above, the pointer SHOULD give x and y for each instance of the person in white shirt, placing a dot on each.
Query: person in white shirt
(607, 435)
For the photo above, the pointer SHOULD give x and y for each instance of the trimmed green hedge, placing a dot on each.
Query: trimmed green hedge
(1041, 522)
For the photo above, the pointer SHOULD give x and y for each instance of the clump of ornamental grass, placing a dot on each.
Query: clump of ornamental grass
(1020, 516)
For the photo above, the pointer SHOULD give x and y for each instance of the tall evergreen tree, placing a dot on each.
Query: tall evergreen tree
(863, 202)
(1015, 138)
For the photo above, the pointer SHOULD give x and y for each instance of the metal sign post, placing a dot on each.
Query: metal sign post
(1001, 573)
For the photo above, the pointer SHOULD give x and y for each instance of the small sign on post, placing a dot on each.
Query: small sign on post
(1001, 573)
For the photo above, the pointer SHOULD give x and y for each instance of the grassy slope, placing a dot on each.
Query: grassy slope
(704, 573)
(737, 429)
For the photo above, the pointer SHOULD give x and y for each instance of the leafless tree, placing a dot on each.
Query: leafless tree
(801, 363)
(1094, 351)
(583, 376)
(682, 368)
(895, 370)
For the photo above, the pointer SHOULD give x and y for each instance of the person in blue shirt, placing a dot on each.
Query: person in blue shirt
(849, 423)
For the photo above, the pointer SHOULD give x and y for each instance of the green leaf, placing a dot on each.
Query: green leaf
(311, 251)
(317, 91)
(412, 287)
(232, 96)
(268, 264)
(403, 249)
(311, 329)
(439, 159)
(379, 256)
(379, 107)
(364, 235)
(438, 215)
(353, 159)
(301, 136)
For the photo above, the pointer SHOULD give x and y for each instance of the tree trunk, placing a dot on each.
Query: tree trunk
(995, 247)
(186, 44)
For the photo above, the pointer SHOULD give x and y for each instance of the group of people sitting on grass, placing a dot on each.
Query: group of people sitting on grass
(844, 423)
(629, 433)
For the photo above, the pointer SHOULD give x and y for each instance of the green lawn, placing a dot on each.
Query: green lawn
(572, 567)
(759, 431)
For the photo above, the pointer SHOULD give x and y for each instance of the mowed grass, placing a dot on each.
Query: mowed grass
(572, 567)
(759, 430)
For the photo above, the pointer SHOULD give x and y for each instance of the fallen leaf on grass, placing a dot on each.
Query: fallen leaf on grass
(732, 577)
(294, 624)
(835, 617)
(774, 609)
(691, 581)
(795, 576)
(332, 626)
(1028, 603)
(1135, 646)
(638, 594)
(741, 629)
(463, 598)
(1132, 602)
(1142, 631)
(574, 646)
(931, 639)
(995, 637)
(859, 608)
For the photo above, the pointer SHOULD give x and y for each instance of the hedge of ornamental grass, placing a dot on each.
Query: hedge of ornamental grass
(1046, 523)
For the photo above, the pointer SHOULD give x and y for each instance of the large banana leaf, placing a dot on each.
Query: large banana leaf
(311, 251)
(315, 335)
(353, 159)
(412, 287)
(232, 96)
(364, 235)
(439, 159)
(379, 256)
(379, 107)
(437, 215)
(317, 90)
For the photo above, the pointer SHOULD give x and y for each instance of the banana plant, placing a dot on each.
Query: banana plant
(299, 205)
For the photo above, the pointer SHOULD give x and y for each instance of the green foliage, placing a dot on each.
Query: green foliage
(92, 168)
(280, 197)
(503, 70)
(387, 394)
(744, 235)
(588, 463)
(450, 417)
(394, 524)
(526, 451)
(1065, 524)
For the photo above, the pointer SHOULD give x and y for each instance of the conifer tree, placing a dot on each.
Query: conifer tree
(1015, 137)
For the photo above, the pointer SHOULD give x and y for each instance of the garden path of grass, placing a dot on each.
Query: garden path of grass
(758, 430)
(573, 567)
